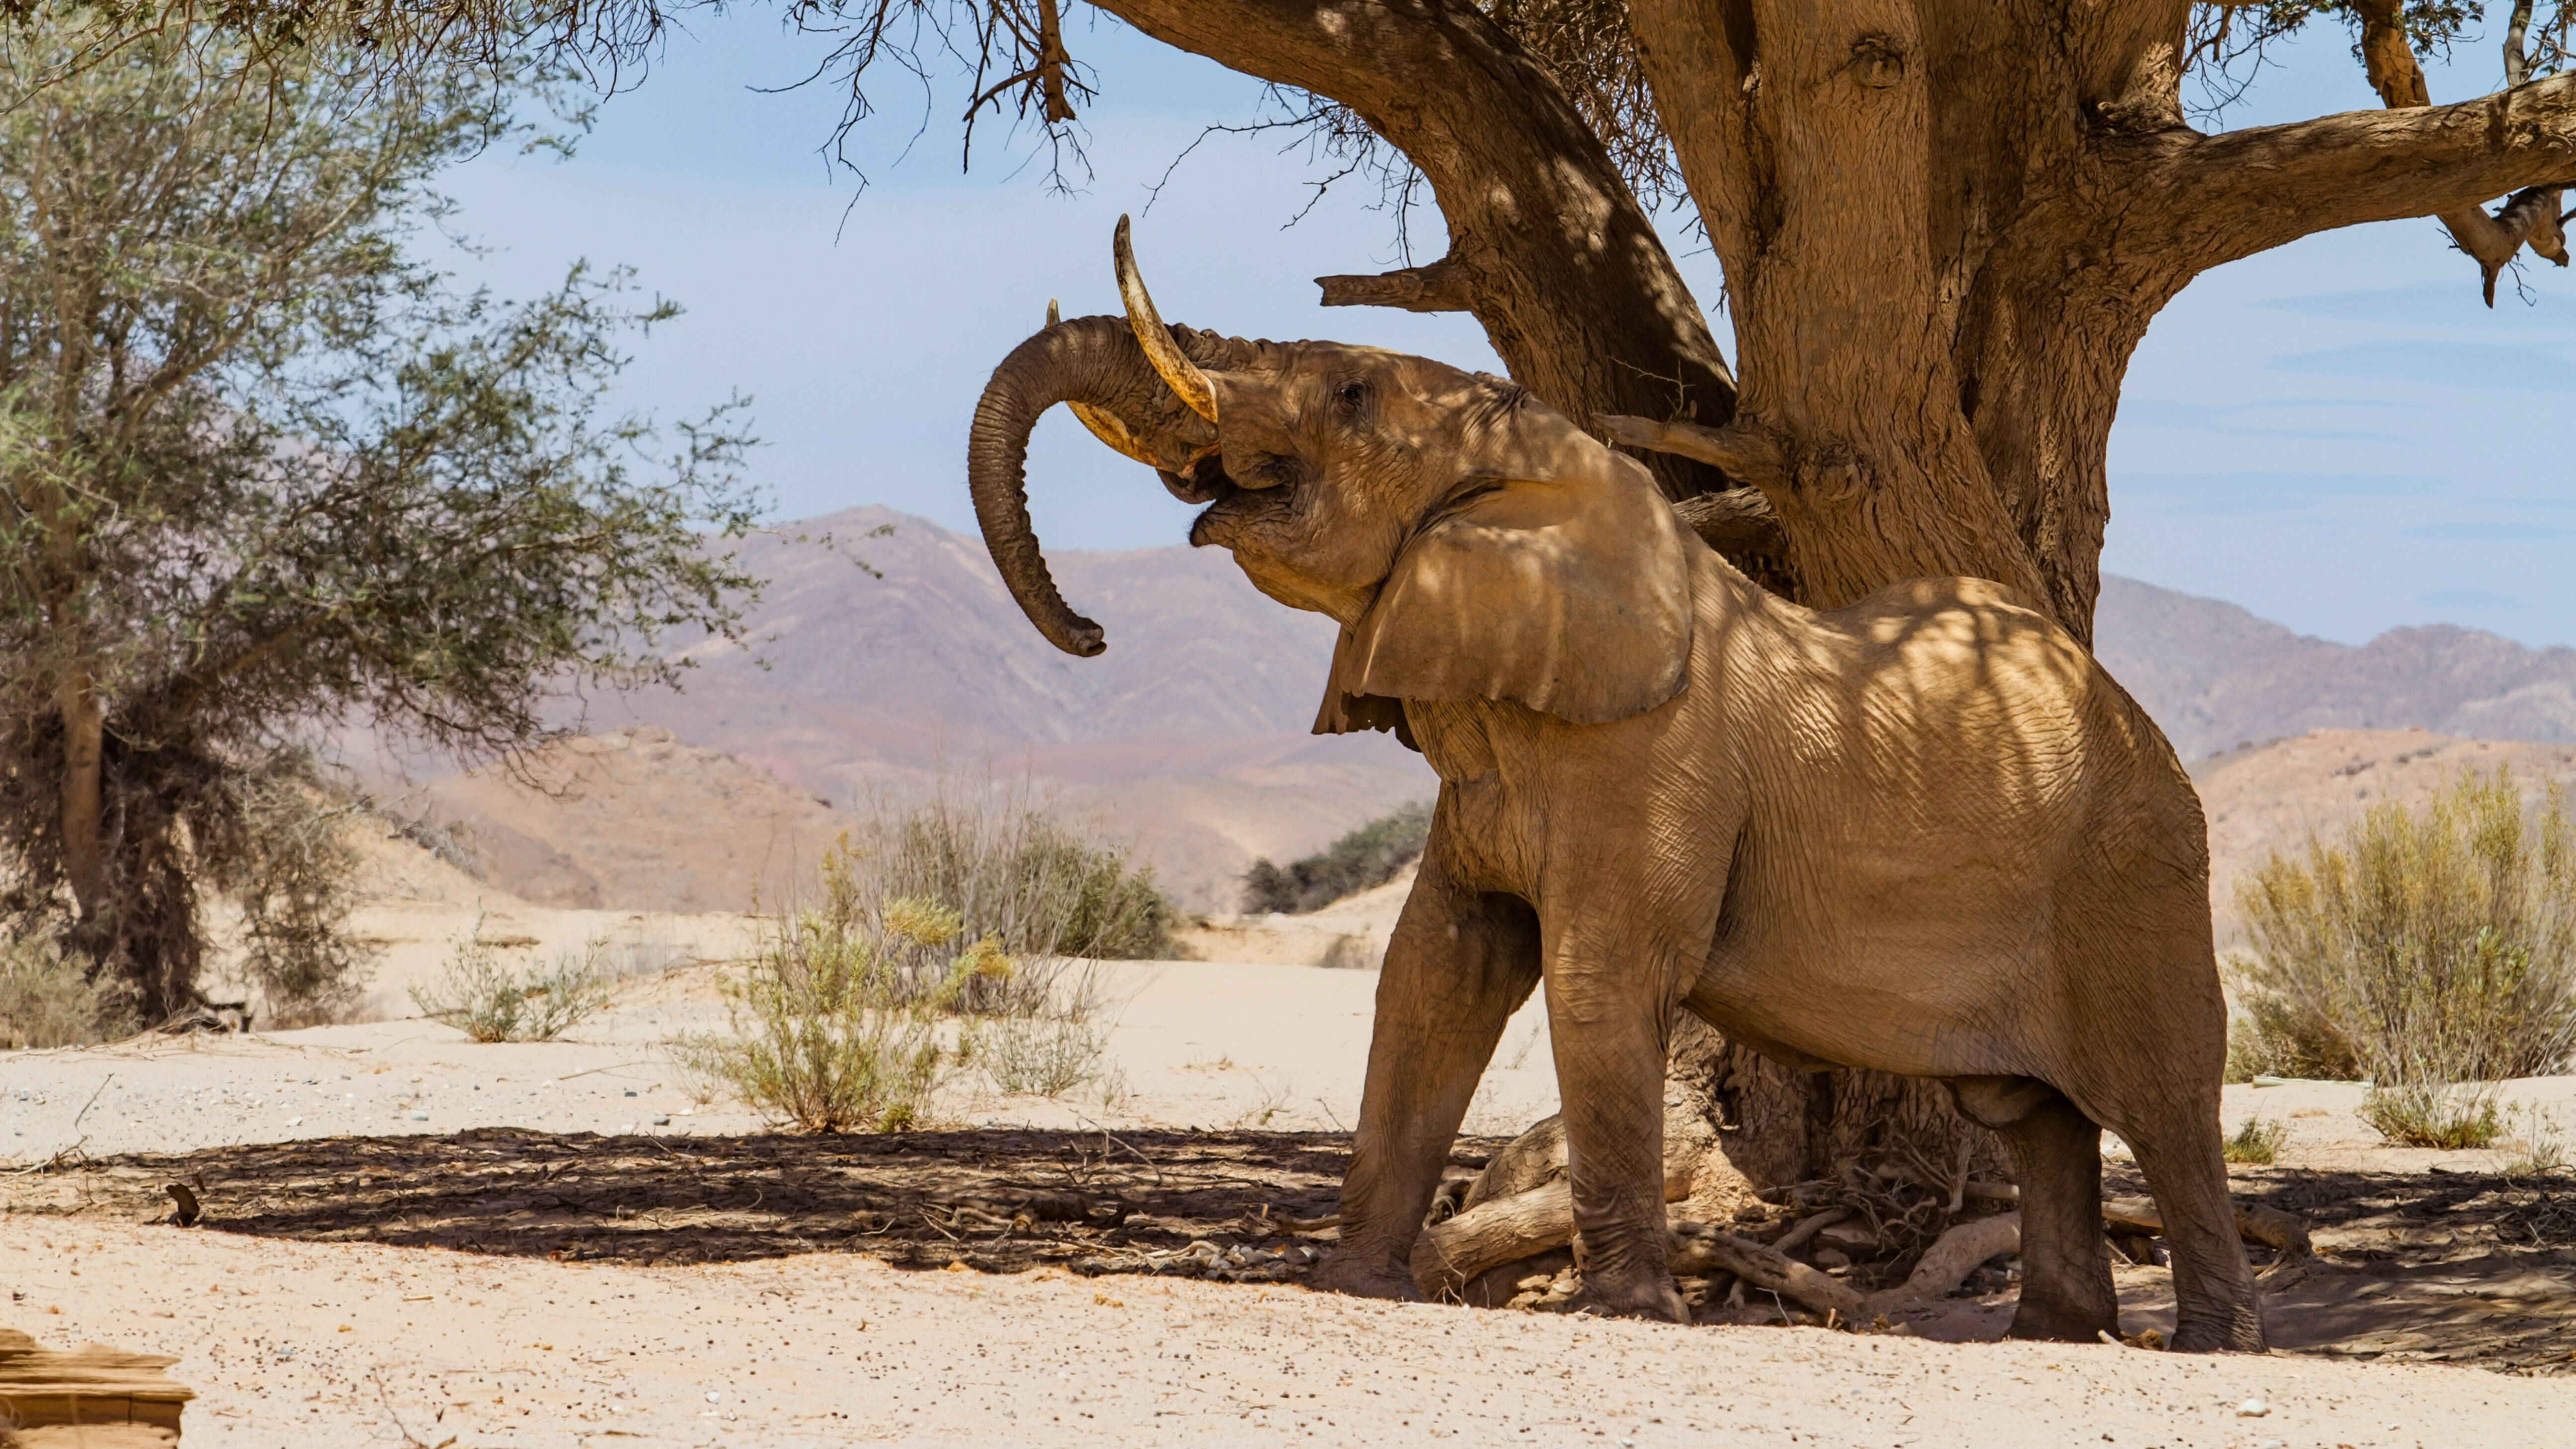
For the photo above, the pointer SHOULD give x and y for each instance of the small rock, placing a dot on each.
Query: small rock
(294, 1121)
(714, 1398)
(2252, 1409)
(420, 1116)
(662, 1121)
(630, 1091)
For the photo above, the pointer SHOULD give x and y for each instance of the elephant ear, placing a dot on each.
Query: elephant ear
(1570, 595)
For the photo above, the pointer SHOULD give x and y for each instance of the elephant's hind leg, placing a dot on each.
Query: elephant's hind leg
(2066, 1290)
(1457, 967)
(2216, 1308)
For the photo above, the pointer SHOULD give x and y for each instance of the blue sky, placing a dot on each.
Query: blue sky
(2336, 434)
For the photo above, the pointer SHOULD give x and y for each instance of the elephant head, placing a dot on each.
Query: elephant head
(1471, 540)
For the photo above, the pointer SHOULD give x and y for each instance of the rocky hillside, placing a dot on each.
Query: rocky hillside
(2216, 677)
(2275, 797)
(1188, 737)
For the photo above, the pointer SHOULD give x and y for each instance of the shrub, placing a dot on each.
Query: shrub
(50, 997)
(1035, 884)
(1368, 856)
(490, 1002)
(295, 887)
(827, 1035)
(2424, 949)
(2427, 1114)
(2258, 1142)
(1046, 1056)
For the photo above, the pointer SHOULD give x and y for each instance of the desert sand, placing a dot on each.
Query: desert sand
(413, 1239)
(293, 1341)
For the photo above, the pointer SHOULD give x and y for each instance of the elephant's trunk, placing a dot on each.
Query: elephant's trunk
(1093, 361)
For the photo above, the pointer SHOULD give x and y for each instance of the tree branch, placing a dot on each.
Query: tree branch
(1549, 248)
(2218, 198)
(1439, 287)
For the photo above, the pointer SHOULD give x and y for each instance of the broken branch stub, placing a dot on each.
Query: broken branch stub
(1440, 286)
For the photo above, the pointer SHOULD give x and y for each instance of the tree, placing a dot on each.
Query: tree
(1943, 227)
(262, 471)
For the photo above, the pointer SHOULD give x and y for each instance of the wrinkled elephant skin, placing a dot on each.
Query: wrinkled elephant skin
(1924, 834)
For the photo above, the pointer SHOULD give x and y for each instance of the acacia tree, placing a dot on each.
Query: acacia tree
(1943, 228)
(262, 470)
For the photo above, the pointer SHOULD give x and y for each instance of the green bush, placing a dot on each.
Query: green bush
(2452, 1117)
(1368, 856)
(832, 1025)
(2425, 949)
(1037, 885)
(490, 1002)
(50, 997)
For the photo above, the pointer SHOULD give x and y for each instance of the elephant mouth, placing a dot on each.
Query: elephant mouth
(1232, 508)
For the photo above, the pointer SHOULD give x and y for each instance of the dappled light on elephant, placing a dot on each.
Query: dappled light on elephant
(1922, 834)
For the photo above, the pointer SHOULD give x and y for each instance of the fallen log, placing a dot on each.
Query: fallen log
(2255, 1223)
(93, 1396)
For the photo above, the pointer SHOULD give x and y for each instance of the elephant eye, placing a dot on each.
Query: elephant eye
(1352, 396)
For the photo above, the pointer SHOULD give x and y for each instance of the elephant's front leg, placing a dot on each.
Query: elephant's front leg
(1610, 998)
(1457, 967)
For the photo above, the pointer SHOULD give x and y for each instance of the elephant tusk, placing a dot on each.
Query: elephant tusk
(1178, 372)
(1104, 425)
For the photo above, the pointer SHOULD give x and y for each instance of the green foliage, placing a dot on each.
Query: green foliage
(263, 468)
(2258, 1142)
(50, 997)
(490, 1002)
(293, 873)
(833, 1022)
(2449, 1116)
(1368, 856)
(1037, 885)
(2426, 947)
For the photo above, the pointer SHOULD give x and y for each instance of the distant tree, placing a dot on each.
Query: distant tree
(263, 470)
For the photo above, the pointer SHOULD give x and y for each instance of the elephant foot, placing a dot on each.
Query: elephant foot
(1641, 1297)
(2053, 1320)
(2225, 1330)
(1364, 1275)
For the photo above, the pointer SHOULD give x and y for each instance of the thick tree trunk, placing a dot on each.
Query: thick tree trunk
(82, 818)
(1548, 247)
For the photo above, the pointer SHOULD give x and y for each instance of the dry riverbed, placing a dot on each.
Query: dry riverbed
(407, 1236)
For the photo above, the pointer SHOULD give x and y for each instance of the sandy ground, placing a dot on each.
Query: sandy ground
(292, 1341)
(1194, 1044)
(293, 1344)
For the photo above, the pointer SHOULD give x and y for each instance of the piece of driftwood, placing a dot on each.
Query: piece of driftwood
(1490, 1234)
(1943, 1267)
(93, 1397)
(2255, 1223)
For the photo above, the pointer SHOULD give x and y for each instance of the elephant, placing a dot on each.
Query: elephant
(1924, 834)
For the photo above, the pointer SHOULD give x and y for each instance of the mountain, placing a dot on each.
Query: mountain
(2216, 677)
(878, 661)
(854, 677)
(2273, 798)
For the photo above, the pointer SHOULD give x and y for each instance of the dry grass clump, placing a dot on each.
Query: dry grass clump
(2427, 950)
(50, 997)
(490, 1002)
(950, 913)
(1037, 885)
(2258, 1142)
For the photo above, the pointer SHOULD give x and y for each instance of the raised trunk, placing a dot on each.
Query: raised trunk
(1095, 362)
(1549, 249)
